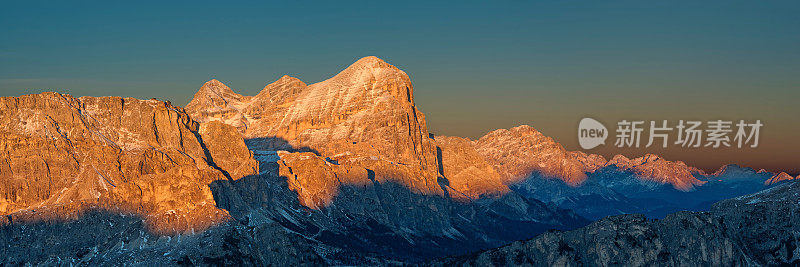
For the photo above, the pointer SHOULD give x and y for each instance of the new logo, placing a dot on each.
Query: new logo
(591, 133)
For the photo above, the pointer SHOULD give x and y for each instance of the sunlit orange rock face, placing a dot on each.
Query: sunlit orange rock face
(520, 151)
(310, 176)
(466, 172)
(61, 155)
(779, 178)
(364, 117)
(517, 152)
(654, 168)
(362, 126)
(227, 150)
(591, 162)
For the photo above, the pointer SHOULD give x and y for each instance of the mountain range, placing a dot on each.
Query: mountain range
(759, 229)
(343, 171)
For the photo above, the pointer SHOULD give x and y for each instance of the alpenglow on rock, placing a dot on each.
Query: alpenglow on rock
(364, 120)
(781, 177)
(654, 168)
(520, 151)
(468, 175)
(363, 117)
(61, 156)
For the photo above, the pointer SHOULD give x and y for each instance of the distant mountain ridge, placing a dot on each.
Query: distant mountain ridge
(757, 229)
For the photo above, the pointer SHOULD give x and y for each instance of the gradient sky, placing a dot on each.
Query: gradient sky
(476, 66)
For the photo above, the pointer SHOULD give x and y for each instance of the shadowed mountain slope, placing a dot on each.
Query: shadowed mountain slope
(757, 229)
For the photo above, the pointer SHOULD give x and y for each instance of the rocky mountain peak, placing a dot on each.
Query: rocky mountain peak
(214, 83)
(725, 168)
(518, 152)
(519, 131)
(591, 162)
(620, 161)
(779, 178)
(216, 101)
(652, 167)
(369, 62)
(733, 171)
(62, 156)
(651, 158)
(284, 81)
(362, 117)
(274, 97)
(469, 176)
(371, 73)
(217, 93)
